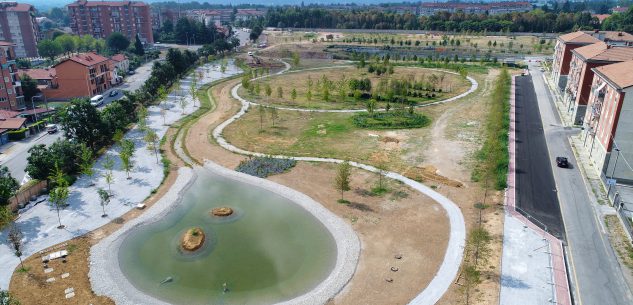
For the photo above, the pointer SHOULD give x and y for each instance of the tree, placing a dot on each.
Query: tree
(49, 49)
(117, 42)
(341, 181)
(280, 92)
(274, 115)
(183, 101)
(309, 95)
(82, 122)
(296, 59)
(151, 138)
(85, 162)
(261, 110)
(193, 87)
(108, 165)
(138, 47)
(8, 186)
(67, 43)
(15, 239)
(293, 94)
(104, 199)
(58, 196)
(268, 90)
(126, 154)
(29, 87)
(6, 298)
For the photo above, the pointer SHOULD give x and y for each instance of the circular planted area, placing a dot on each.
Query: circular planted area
(274, 251)
(354, 88)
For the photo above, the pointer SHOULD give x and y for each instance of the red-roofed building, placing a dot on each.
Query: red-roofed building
(102, 18)
(620, 9)
(11, 97)
(82, 75)
(45, 78)
(584, 59)
(121, 65)
(492, 8)
(18, 25)
(608, 132)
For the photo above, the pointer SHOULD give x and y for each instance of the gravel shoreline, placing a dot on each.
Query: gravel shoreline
(107, 278)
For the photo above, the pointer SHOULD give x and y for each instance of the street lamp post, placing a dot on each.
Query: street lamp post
(613, 170)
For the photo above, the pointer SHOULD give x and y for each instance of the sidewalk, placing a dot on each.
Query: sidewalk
(83, 214)
(533, 267)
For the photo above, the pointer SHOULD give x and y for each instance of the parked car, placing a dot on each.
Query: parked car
(250, 53)
(562, 162)
(131, 72)
(114, 93)
(51, 128)
(96, 100)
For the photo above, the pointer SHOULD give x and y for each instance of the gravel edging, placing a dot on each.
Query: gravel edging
(107, 278)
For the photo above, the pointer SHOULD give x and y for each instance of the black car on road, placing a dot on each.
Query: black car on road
(562, 162)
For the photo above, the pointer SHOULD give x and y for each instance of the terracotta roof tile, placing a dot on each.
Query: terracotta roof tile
(87, 59)
(119, 57)
(7, 114)
(602, 52)
(12, 123)
(578, 38)
(619, 74)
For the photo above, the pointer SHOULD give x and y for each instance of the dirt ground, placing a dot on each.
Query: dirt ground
(31, 287)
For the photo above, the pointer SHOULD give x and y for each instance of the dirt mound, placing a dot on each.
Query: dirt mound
(193, 239)
(429, 173)
(222, 211)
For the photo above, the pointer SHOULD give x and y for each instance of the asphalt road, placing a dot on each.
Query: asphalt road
(594, 271)
(536, 190)
(14, 154)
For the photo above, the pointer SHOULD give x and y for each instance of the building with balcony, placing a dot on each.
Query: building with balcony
(562, 54)
(580, 77)
(492, 8)
(11, 97)
(100, 19)
(608, 132)
(82, 75)
(18, 25)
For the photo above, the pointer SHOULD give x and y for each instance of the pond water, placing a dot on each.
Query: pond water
(269, 251)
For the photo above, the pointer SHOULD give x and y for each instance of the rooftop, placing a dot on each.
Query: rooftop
(578, 37)
(15, 7)
(602, 52)
(39, 73)
(618, 74)
(119, 57)
(12, 123)
(86, 59)
(105, 3)
(7, 114)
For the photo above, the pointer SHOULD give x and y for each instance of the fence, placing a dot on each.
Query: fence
(24, 196)
(624, 214)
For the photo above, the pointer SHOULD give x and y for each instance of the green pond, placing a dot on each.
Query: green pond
(269, 251)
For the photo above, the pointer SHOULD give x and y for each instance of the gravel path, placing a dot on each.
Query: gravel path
(454, 251)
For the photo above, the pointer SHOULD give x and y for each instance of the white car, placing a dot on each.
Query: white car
(96, 100)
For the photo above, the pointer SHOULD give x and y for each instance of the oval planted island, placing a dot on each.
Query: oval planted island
(193, 239)
(222, 211)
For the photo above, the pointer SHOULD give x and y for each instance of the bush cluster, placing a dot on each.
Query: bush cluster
(263, 167)
(391, 120)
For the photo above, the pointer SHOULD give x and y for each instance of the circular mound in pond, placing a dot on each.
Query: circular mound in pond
(193, 239)
(222, 211)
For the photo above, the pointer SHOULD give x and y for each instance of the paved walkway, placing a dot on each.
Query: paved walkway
(84, 211)
(454, 252)
(523, 242)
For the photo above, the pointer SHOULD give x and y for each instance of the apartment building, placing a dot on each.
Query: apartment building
(82, 75)
(160, 15)
(562, 54)
(580, 77)
(102, 18)
(18, 25)
(608, 132)
(11, 97)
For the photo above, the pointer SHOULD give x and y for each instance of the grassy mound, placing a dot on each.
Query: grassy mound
(391, 120)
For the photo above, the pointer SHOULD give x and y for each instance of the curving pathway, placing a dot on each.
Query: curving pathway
(473, 86)
(449, 269)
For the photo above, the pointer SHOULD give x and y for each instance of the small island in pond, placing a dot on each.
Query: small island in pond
(222, 211)
(193, 239)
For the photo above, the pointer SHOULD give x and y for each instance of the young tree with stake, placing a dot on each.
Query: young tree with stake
(58, 196)
(151, 138)
(108, 165)
(273, 115)
(104, 199)
(261, 110)
(126, 155)
(341, 181)
(85, 162)
(15, 240)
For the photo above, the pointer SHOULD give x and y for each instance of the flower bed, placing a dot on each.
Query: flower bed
(265, 166)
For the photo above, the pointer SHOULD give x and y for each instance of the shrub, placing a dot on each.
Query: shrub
(391, 120)
(265, 166)
(15, 135)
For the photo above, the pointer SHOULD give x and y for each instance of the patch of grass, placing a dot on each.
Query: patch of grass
(343, 201)
(391, 120)
(23, 269)
(379, 191)
(71, 248)
(493, 156)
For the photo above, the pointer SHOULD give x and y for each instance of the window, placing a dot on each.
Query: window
(9, 91)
